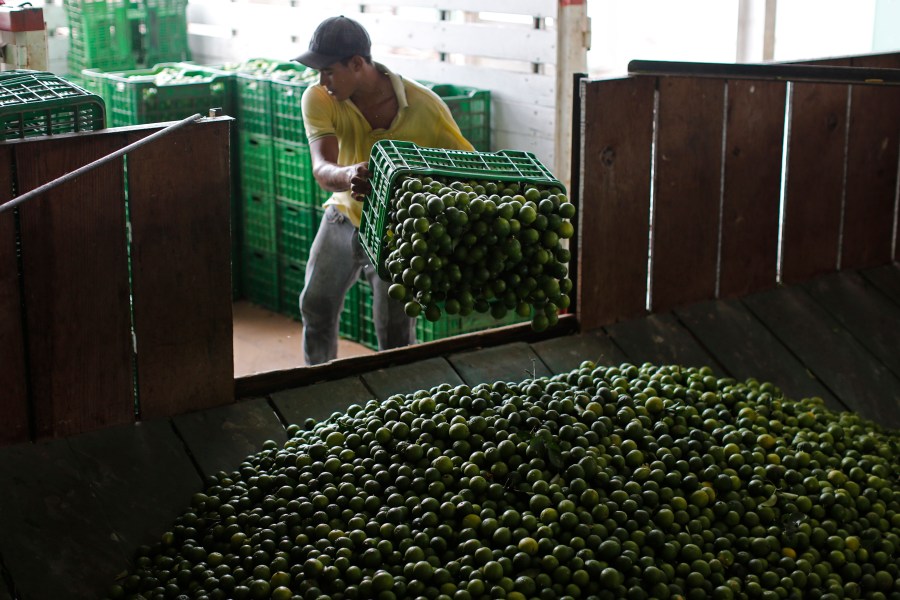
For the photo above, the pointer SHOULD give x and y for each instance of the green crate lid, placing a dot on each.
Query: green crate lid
(36, 103)
(391, 159)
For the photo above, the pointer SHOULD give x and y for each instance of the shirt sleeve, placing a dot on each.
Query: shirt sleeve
(318, 112)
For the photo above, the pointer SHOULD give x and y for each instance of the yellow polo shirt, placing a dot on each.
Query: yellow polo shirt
(423, 118)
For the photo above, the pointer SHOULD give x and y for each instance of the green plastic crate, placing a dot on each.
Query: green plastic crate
(165, 37)
(259, 271)
(100, 35)
(253, 82)
(450, 325)
(288, 118)
(295, 230)
(259, 223)
(293, 173)
(292, 276)
(471, 109)
(257, 163)
(37, 103)
(391, 159)
(366, 321)
(165, 92)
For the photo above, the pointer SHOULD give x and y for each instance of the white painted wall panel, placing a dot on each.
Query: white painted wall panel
(536, 8)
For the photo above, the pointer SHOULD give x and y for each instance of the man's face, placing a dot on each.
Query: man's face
(339, 79)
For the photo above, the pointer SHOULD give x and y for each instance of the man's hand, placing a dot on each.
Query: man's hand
(358, 176)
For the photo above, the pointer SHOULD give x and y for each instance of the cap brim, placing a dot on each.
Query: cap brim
(317, 61)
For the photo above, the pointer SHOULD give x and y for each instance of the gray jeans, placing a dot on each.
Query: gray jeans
(336, 259)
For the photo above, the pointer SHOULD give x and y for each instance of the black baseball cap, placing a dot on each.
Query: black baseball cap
(336, 38)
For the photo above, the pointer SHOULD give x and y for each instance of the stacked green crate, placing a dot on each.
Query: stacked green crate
(291, 284)
(165, 35)
(99, 35)
(450, 325)
(471, 109)
(365, 319)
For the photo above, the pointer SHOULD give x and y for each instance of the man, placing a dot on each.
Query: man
(356, 103)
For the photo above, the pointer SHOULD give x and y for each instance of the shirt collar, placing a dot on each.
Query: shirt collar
(397, 83)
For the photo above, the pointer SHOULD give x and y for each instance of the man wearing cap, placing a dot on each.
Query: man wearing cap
(356, 103)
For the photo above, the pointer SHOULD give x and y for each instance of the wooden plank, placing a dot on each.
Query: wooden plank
(536, 8)
(887, 279)
(13, 380)
(752, 187)
(617, 124)
(870, 198)
(815, 171)
(890, 60)
(319, 401)
(181, 269)
(688, 191)
(56, 541)
(872, 318)
(406, 379)
(660, 339)
(746, 348)
(75, 273)
(221, 438)
(513, 362)
(859, 381)
(566, 353)
(141, 476)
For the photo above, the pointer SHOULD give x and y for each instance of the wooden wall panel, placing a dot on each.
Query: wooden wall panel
(870, 197)
(615, 199)
(179, 199)
(752, 187)
(75, 275)
(13, 398)
(889, 60)
(814, 185)
(688, 190)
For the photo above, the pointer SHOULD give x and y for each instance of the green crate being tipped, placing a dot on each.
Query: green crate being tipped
(392, 159)
(36, 103)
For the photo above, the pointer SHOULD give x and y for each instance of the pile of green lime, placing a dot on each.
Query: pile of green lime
(604, 482)
(456, 247)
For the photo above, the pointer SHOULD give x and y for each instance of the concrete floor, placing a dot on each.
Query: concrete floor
(266, 341)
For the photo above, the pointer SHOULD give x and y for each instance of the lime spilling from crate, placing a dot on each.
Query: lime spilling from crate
(575, 485)
(485, 246)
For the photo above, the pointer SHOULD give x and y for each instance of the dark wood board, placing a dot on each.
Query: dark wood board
(4, 590)
(75, 274)
(56, 542)
(888, 60)
(406, 379)
(754, 137)
(566, 353)
(815, 171)
(614, 214)
(320, 400)
(221, 438)
(872, 318)
(688, 191)
(870, 197)
(746, 348)
(860, 381)
(181, 261)
(141, 475)
(886, 278)
(513, 362)
(660, 339)
(13, 379)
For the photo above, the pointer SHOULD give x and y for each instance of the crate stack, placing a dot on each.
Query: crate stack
(278, 214)
(125, 34)
(471, 109)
